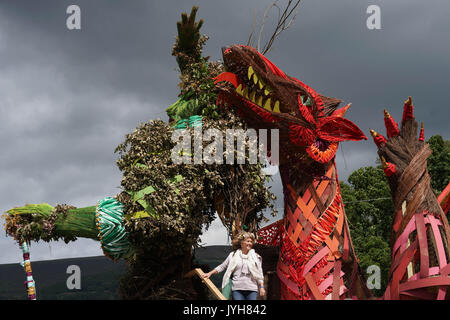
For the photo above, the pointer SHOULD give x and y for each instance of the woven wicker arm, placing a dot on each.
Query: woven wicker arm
(419, 242)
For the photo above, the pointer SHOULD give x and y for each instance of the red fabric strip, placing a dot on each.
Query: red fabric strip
(400, 270)
(286, 281)
(428, 282)
(438, 239)
(314, 260)
(322, 271)
(337, 277)
(445, 270)
(312, 286)
(419, 294)
(423, 245)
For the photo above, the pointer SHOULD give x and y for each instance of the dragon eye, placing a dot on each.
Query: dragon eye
(306, 101)
(305, 107)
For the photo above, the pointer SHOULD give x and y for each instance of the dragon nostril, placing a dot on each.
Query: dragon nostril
(322, 145)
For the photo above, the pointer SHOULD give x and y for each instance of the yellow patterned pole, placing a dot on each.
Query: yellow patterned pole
(26, 264)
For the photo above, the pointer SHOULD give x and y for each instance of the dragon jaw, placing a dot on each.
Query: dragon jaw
(265, 97)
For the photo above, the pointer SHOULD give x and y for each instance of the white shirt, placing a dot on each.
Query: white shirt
(242, 278)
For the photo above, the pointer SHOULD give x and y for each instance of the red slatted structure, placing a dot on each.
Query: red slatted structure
(314, 240)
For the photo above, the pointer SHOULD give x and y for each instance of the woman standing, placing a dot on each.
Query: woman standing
(244, 266)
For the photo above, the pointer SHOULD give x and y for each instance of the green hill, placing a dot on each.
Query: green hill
(99, 276)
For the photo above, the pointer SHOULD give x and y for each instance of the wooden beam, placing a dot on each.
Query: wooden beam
(215, 291)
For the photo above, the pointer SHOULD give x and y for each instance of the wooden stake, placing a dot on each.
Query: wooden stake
(215, 291)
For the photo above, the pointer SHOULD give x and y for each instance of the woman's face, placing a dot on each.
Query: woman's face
(246, 244)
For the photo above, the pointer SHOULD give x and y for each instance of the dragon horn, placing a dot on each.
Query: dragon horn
(342, 111)
(391, 125)
(388, 168)
(422, 134)
(408, 109)
(379, 139)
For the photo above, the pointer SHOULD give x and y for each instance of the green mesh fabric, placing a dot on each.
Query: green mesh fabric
(112, 233)
(193, 121)
(182, 124)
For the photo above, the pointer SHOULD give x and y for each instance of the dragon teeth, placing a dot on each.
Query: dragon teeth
(255, 78)
(261, 84)
(245, 92)
(267, 105)
(252, 96)
(276, 107)
(257, 81)
(239, 89)
(259, 101)
(250, 72)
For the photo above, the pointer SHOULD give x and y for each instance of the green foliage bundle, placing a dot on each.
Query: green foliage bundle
(177, 210)
(197, 90)
(35, 222)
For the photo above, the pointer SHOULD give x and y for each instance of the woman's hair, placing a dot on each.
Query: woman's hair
(241, 236)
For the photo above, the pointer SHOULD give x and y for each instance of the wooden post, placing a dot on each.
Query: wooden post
(199, 272)
(410, 269)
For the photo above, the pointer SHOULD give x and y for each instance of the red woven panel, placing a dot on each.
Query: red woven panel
(270, 235)
(444, 199)
(411, 275)
(310, 265)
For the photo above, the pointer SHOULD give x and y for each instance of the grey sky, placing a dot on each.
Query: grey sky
(67, 98)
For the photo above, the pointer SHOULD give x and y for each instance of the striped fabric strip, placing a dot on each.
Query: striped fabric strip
(112, 233)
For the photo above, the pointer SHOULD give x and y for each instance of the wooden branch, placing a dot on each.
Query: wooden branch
(249, 42)
(281, 23)
(264, 21)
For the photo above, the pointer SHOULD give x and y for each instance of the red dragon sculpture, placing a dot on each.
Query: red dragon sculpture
(317, 259)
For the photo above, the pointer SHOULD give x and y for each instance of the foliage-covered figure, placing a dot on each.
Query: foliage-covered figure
(158, 217)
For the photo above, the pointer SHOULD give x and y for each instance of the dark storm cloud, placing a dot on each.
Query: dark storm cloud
(330, 48)
(67, 98)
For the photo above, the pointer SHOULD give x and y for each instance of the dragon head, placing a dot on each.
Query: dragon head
(265, 97)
